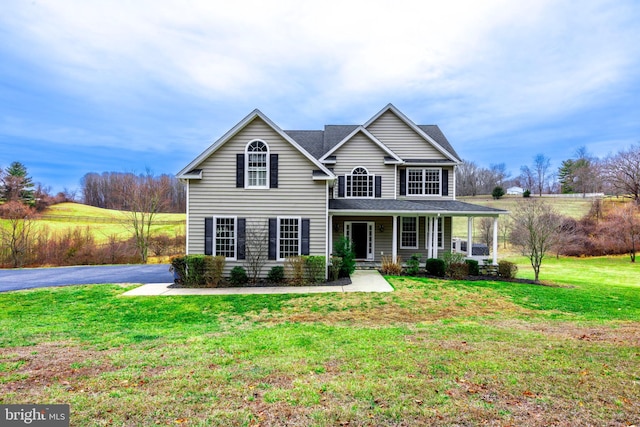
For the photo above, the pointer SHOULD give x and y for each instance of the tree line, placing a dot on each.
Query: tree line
(617, 174)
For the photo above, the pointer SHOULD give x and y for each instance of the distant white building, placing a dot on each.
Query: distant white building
(515, 191)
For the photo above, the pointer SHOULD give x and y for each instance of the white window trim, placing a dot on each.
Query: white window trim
(246, 166)
(235, 236)
(372, 182)
(278, 219)
(417, 246)
(422, 194)
(371, 236)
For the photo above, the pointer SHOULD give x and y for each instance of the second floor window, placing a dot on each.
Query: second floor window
(423, 182)
(257, 164)
(359, 183)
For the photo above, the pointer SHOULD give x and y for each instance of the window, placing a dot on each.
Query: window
(423, 182)
(288, 237)
(409, 233)
(360, 183)
(257, 164)
(225, 237)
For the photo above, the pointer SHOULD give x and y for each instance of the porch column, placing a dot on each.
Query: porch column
(394, 240)
(435, 237)
(330, 238)
(495, 241)
(470, 236)
(427, 224)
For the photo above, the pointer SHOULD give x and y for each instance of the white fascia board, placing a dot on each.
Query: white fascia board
(413, 126)
(368, 135)
(356, 212)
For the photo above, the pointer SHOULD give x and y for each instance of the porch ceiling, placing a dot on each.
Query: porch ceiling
(379, 207)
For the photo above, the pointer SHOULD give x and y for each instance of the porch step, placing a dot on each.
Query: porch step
(367, 265)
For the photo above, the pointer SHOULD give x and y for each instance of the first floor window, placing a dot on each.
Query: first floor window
(225, 234)
(409, 233)
(289, 237)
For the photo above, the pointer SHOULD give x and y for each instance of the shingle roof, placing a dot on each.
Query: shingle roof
(434, 132)
(424, 206)
(310, 140)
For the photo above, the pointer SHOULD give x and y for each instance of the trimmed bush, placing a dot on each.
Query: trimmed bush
(413, 265)
(507, 269)
(214, 269)
(196, 271)
(238, 276)
(178, 268)
(474, 267)
(343, 249)
(435, 267)
(315, 267)
(276, 274)
(391, 268)
(335, 267)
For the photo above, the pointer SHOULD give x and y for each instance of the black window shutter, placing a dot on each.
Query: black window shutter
(240, 170)
(208, 236)
(306, 231)
(445, 182)
(403, 182)
(378, 188)
(341, 184)
(241, 240)
(273, 171)
(273, 237)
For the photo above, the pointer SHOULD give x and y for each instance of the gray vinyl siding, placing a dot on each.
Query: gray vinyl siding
(384, 239)
(361, 151)
(401, 139)
(297, 194)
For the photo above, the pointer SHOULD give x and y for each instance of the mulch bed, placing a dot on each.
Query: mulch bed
(260, 283)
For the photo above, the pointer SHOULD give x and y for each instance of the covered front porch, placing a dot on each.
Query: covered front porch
(401, 228)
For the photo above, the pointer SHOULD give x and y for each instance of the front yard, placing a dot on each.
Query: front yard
(431, 353)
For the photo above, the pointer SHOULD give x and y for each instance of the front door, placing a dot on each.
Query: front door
(361, 236)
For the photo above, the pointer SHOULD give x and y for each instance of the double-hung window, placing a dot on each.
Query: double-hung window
(360, 183)
(409, 233)
(257, 156)
(225, 237)
(424, 182)
(288, 237)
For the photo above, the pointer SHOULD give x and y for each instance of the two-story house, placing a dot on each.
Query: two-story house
(388, 185)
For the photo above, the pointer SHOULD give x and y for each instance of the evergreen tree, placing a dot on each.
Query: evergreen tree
(16, 184)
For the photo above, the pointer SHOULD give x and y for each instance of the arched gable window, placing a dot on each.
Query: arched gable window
(257, 164)
(359, 183)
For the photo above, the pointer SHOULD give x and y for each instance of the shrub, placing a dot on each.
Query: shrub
(526, 194)
(458, 270)
(435, 267)
(497, 192)
(294, 270)
(214, 269)
(507, 269)
(197, 270)
(276, 274)
(178, 268)
(451, 258)
(343, 249)
(335, 267)
(413, 265)
(315, 268)
(238, 276)
(474, 267)
(391, 268)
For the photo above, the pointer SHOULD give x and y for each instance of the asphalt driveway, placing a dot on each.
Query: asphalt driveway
(27, 278)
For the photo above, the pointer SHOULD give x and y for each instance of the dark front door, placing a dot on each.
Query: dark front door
(359, 238)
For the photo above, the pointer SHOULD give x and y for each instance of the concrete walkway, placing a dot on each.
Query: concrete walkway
(361, 281)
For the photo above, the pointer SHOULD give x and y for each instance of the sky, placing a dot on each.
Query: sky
(96, 86)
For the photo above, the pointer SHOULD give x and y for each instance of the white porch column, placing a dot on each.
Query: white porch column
(394, 240)
(330, 238)
(427, 234)
(495, 240)
(470, 236)
(435, 237)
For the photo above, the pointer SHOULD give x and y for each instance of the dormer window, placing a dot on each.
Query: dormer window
(360, 183)
(257, 167)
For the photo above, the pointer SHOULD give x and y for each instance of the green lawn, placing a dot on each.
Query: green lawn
(432, 352)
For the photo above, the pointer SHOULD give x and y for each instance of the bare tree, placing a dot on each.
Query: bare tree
(541, 164)
(256, 248)
(626, 228)
(504, 227)
(622, 172)
(527, 178)
(485, 228)
(145, 201)
(19, 234)
(535, 231)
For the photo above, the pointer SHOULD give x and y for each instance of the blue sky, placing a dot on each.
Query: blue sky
(128, 86)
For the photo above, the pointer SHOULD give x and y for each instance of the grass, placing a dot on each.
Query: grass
(431, 353)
